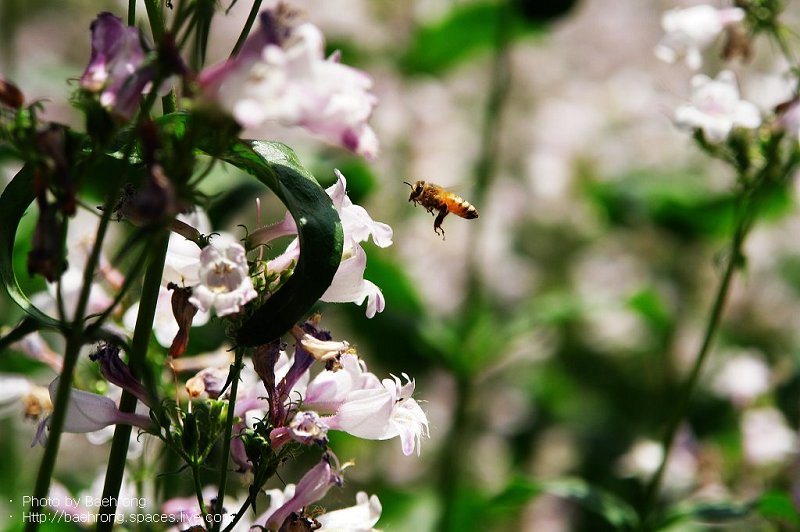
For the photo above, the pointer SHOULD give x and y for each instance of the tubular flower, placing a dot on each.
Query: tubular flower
(88, 412)
(281, 75)
(348, 285)
(690, 30)
(367, 407)
(116, 54)
(359, 518)
(716, 107)
(225, 282)
(311, 488)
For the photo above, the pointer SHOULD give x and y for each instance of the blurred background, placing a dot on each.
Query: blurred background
(548, 337)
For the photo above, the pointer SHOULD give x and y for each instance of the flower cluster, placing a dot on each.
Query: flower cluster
(252, 401)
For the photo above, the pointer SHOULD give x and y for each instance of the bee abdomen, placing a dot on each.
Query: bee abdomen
(464, 208)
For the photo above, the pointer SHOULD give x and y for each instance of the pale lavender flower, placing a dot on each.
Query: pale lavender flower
(116, 54)
(311, 488)
(89, 412)
(282, 75)
(348, 285)
(716, 107)
(690, 30)
(225, 282)
(742, 378)
(366, 407)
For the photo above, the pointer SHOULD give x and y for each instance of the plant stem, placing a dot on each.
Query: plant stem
(251, 17)
(74, 343)
(226, 442)
(451, 462)
(137, 360)
(131, 12)
(742, 226)
(198, 490)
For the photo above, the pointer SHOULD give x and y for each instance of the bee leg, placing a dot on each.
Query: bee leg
(437, 223)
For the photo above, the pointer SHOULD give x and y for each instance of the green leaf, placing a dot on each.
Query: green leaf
(708, 513)
(16, 198)
(521, 490)
(319, 230)
(779, 506)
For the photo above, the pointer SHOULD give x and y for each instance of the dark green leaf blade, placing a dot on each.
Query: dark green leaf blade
(319, 230)
(16, 198)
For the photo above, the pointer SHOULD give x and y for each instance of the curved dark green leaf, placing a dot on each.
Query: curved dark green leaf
(319, 229)
(16, 198)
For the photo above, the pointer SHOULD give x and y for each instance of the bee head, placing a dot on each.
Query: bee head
(416, 189)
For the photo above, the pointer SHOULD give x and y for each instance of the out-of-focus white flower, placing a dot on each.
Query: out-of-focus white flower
(690, 30)
(366, 407)
(225, 282)
(282, 75)
(34, 347)
(644, 457)
(742, 378)
(348, 285)
(716, 107)
(12, 389)
(359, 518)
(767, 439)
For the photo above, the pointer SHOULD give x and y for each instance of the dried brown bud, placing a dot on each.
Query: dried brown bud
(184, 314)
(10, 95)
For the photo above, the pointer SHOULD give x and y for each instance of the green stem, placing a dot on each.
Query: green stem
(74, 343)
(131, 12)
(248, 25)
(452, 458)
(226, 442)
(156, 17)
(137, 360)
(199, 492)
(743, 223)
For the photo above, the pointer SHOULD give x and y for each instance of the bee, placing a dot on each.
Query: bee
(435, 198)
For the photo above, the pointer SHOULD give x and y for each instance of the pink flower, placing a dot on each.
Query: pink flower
(117, 55)
(311, 488)
(366, 407)
(716, 107)
(88, 412)
(282, 75)
(690, 30)
(225, 282)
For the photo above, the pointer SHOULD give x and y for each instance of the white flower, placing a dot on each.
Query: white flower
(742, 378)
(12, 390)
(348, 285)
(282, 75)
(716, 107)
(359, 518)
(766, 437)
(366, 407)
(690, 30)
(225, 282)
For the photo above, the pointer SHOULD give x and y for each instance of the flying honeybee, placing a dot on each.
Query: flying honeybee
(435, 198)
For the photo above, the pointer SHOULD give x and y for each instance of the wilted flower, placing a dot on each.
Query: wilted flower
(716, 107)
(117, 372)
(225, 282)
(690, 30)
(281, 75)
(10, 95)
